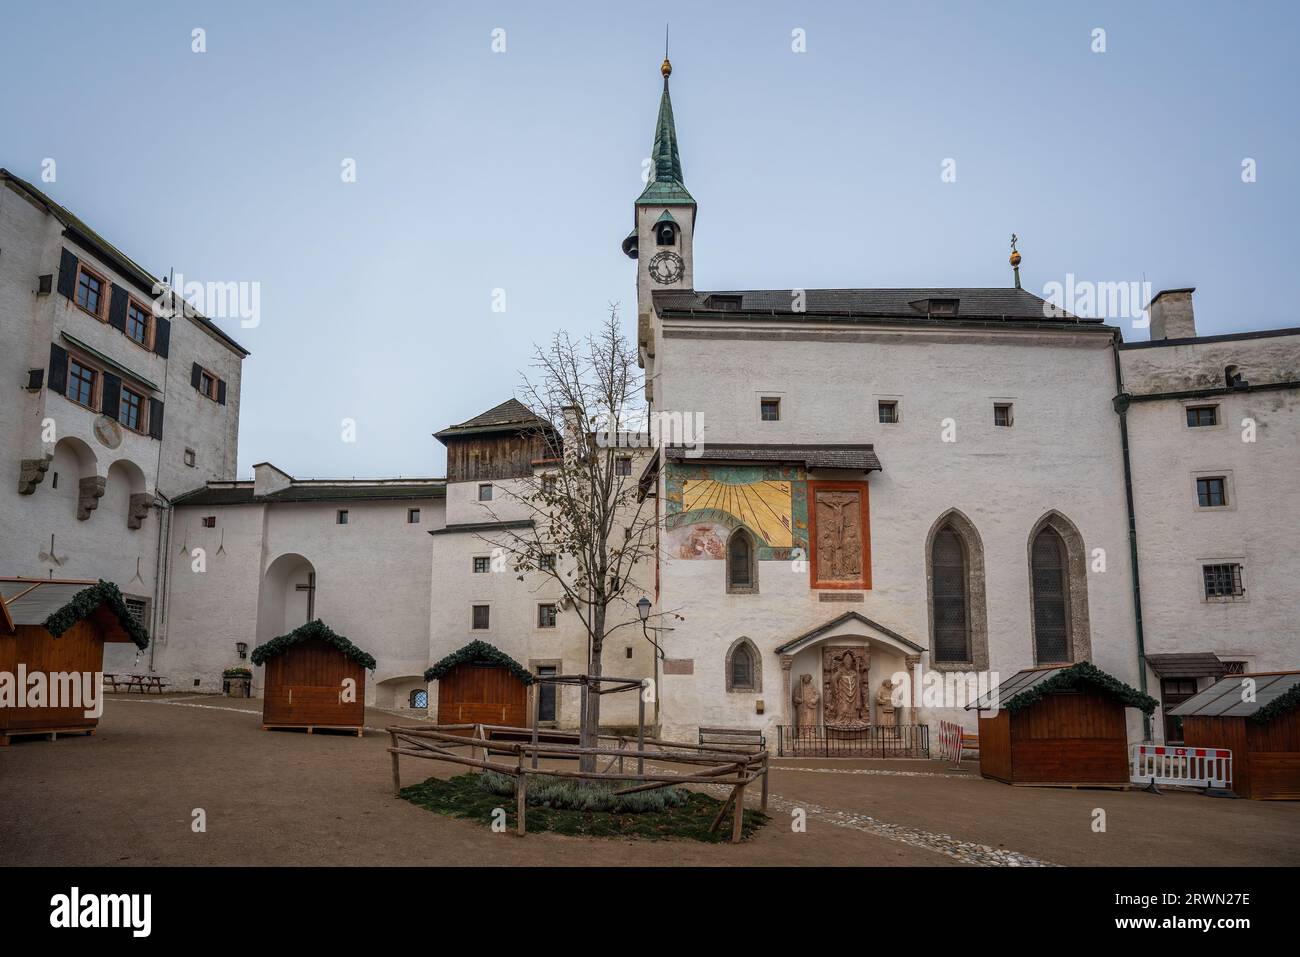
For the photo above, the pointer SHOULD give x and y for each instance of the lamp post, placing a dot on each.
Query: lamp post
(643, 612)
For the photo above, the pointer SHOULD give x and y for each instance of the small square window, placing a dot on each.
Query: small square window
(1211, 492)
(341, 518)
(549, 484)
(1199, 416)
(1234, 667)
(1223, 580)
(887, 412)
(485, 493)
(412, 516)
(623, 465)
(628, 652)
(191, 457)
(547, 562)
(769, 410)
(482, 564)
(545, 616)
(209, 521)
(207, 384)
(480, 617)
(1002, 414)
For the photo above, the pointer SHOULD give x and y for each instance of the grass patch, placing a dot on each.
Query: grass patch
(680, 813)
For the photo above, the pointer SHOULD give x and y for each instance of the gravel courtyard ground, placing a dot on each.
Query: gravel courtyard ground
(127, 796)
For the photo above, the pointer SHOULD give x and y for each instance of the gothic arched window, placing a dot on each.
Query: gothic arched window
(954, 559)
(1050, 567)
(742, 568)
(744, 672)
(951, 621)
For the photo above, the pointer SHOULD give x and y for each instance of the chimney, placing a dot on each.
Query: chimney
(267, 479)
(1171, 314)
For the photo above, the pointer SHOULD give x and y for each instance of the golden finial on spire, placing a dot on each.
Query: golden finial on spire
(1014, 259)
(667, 68)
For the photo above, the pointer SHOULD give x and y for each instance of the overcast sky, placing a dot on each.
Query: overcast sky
(479, 170)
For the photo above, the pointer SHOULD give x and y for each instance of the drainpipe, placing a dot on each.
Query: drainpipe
(1121, 403)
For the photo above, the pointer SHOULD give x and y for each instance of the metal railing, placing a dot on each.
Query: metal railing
(890, 741)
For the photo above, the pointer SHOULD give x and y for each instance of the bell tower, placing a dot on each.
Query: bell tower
(663, 231)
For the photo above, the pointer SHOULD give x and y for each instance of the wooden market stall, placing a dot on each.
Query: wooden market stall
(314, 679)
(1064, 724)
(58, 628)
(1262, 733)
(481, 684)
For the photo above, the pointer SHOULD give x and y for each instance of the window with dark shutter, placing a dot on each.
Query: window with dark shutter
(155, 419)
(951, 628)
(221, 391)
(117, 308)
(110, 398)
(196, 371)
(67, 275)
(162, 336)
(1051, 598)
(57, 381)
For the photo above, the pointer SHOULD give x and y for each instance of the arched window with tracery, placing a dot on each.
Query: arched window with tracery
(744, 668)
(742, 565)
(1050, 564)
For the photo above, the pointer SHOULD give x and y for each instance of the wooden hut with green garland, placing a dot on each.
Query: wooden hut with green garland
(481, 684)
(1064, 724)
(52, 635)
(314, 679)
(1257, 718)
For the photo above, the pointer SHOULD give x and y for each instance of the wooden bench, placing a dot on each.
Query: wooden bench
(746, 737)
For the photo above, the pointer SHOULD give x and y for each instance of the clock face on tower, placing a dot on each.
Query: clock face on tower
(666, 268)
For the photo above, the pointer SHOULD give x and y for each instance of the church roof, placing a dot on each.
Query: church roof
(668, 186)
(511, 415)
(930, 303)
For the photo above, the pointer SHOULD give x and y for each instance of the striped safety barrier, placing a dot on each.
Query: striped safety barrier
(1191, 767)
(950, 741)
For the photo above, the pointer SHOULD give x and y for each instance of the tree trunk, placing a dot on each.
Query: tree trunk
(591, 726)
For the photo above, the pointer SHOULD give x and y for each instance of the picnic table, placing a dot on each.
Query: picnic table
(145, 683)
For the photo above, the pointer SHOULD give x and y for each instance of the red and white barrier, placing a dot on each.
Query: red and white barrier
(1190, 767)
(950, 741)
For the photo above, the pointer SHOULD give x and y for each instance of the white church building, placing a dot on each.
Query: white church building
(888, 482)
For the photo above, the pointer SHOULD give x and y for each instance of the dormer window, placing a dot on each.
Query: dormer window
(666, 234)
(724, 303)
(943, 307)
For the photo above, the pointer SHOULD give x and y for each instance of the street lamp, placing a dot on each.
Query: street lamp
(643, 612)
(242, 648)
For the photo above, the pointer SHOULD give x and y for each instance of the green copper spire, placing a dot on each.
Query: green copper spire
(667, 187)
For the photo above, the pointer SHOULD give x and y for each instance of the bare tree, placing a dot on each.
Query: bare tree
(591, 525)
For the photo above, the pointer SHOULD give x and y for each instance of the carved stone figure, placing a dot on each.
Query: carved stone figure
(885, 704)
(839, 536)
(844, 678)
(806, 699)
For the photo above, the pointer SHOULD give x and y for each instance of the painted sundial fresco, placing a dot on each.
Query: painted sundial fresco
(706, 503)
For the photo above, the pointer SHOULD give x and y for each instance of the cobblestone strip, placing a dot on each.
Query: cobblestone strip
(968, 852)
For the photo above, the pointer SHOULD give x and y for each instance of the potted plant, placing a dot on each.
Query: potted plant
(236, 682)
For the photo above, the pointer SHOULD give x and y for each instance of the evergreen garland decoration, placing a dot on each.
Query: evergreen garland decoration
(1279, 705)
(1082, 675)
(479, 652)
(85, 602)
(313, 629)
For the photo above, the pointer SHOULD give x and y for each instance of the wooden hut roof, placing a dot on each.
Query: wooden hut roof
(1274, 694)
(1024, 688)
(313, 629)
(479, 652)
(56, 605)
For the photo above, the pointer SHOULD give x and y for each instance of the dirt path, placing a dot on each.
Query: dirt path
(127, 796)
